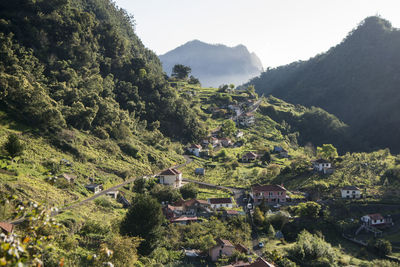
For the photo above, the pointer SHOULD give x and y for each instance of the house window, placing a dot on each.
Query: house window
(271, 193)
(348, 192)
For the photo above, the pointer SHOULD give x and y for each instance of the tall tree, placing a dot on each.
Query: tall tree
(143, 219)
(181, 71)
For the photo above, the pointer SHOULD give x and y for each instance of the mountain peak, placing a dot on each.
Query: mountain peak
(214, 64)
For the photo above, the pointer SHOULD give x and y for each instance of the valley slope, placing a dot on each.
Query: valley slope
(357, 81)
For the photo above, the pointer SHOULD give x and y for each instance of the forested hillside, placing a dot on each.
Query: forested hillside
(216, 64)
(357, 81)
(79, 63)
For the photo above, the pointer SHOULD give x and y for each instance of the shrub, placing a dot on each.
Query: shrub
(312, 250)
(13, 146)
(189, 190)
(129, 150)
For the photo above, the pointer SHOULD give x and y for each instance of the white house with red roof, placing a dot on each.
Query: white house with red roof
(375, 219)
(172, 177)
(270, 193)
(195, 149)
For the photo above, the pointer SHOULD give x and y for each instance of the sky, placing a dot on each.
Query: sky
(278, 31)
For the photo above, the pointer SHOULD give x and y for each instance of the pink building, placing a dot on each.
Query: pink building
(271, 194)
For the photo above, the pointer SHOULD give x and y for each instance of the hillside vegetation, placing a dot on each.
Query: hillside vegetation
(357, 81)
(83, 102)
(78, 63)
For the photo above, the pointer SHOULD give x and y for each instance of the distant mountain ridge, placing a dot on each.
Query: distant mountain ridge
(357, 80)
(214, 64)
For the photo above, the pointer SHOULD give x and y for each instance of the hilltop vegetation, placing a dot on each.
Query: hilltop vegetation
(355, 80)
(78, 63)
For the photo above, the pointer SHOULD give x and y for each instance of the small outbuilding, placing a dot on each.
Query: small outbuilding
(95, 188)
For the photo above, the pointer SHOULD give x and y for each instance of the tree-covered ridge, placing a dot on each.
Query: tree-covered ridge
(79, 63)
(357, 81)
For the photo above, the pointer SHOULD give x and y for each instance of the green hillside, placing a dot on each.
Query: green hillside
(357, 81)
(82, 101)
(80, 64)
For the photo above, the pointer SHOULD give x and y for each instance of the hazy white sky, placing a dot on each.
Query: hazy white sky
(278, 31)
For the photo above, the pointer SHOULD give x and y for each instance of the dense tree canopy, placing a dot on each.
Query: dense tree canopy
(357, 81)
(79, 63)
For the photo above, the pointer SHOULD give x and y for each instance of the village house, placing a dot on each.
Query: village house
(195, 149)
(376, 219)
(200, 171)
(69, 177)
(247, 119)
(222, 248)
(278, 149)
(193, 206)
(350, 192)
(172, 177)
(322, 165)
(249, 156)
(95, 188)
(270, 194)
(171, 211)
(6, 228)
(217, 203)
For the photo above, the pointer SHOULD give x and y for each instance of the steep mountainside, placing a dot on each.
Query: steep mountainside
(358, 81)
(79, 63)
(214, 64)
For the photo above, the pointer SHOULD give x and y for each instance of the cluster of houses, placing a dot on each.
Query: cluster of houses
(187, 211)
(199, 150)
(240, 116)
